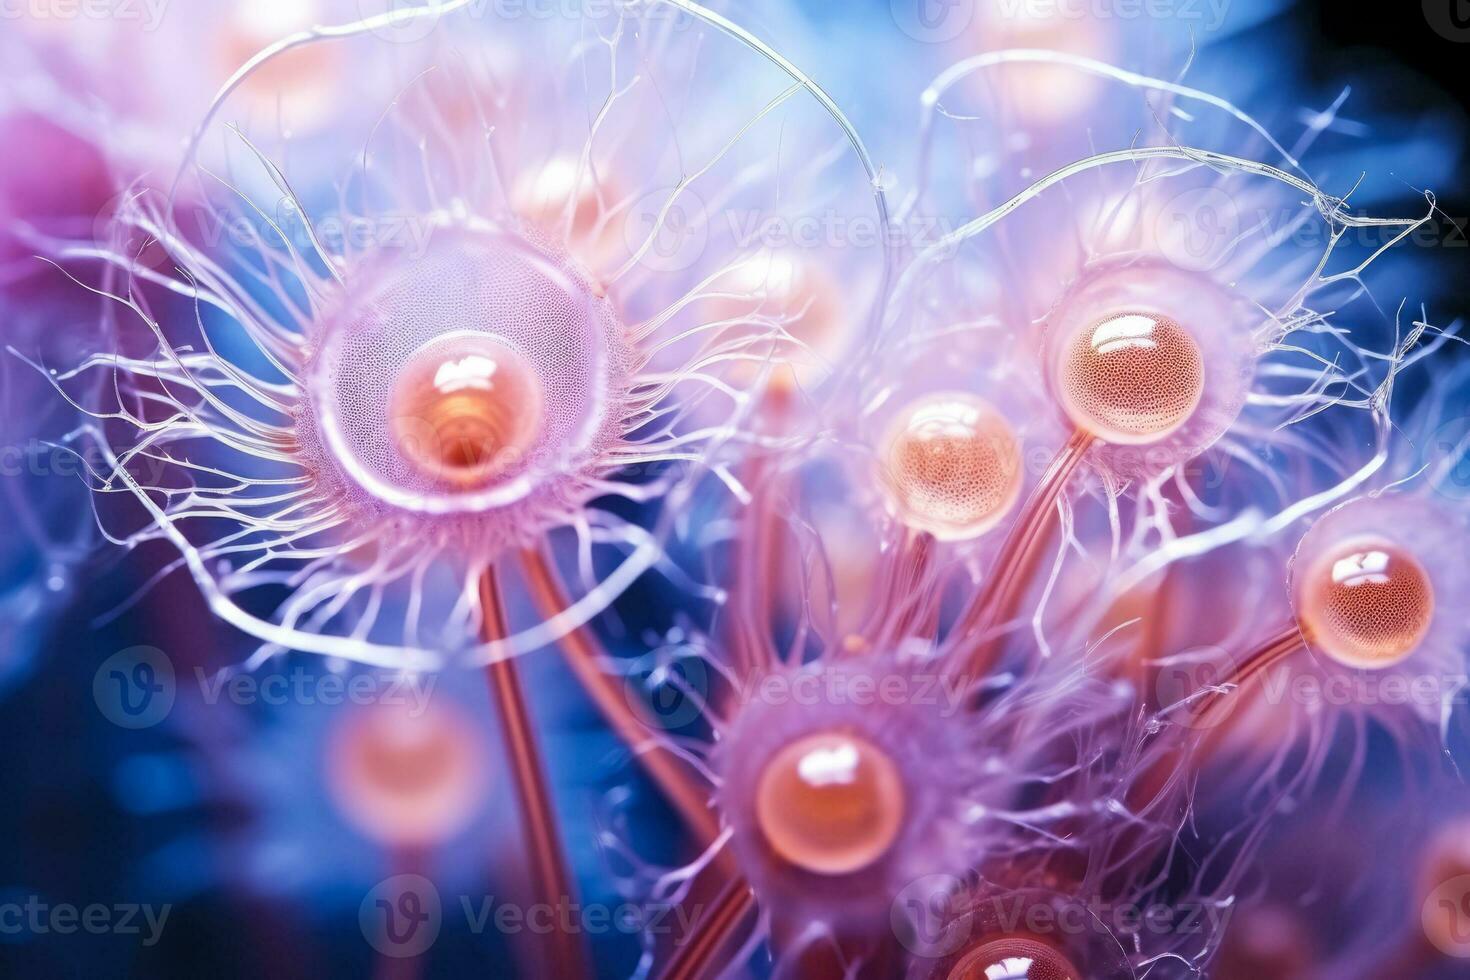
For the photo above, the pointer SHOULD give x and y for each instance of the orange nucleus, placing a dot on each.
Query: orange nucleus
(1014, 958)
(1367, 604)
(466, 409)
(830, 803)
(952, 466)
(1131, 378)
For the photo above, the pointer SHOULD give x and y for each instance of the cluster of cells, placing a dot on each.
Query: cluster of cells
(993, 551)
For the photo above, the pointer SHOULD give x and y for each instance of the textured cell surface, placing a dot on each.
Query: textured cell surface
(1131, 377)
(466, 407)
(830, 803)
(1014, 958)
(472, 301)
(952, 466)
(1367, 604)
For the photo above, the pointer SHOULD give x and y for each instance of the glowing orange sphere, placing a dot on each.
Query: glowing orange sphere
(1367, 604)
(1014, 958)
(830, 803)
(465, 409)
(406, 776)
(952, 466)
(1131, 378)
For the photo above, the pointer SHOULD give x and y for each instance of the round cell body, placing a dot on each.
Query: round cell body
(1367, 603)
(951, 466)
(407, 779)
(830, 803)
(1014, 958)
(1131, 377)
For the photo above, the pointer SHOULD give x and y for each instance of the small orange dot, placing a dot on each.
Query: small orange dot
(1367, 604)
(831, 803)
(952, 466)
(465, 409)
(1014, 958)
(1131, 378)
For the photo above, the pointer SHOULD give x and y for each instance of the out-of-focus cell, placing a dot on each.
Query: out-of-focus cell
(1131, 377)
(1367, 604)
(806, 303)
(952, 466)
(568, 202)
(830, 803)
(1037, 92)
(1266, 943)
(310, 73)
(407, 779)
(1014, 958)
(465, 408)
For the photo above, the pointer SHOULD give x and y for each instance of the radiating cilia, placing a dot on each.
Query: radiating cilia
(512, 308)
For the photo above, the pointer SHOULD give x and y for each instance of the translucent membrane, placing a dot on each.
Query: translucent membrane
(1014, 958)
(1367, 603)
(466, 408)
(952, 466)
(830, 803)
(1131, 377)
(484, 373)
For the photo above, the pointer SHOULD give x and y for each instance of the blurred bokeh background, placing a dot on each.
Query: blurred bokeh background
(163, 819)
